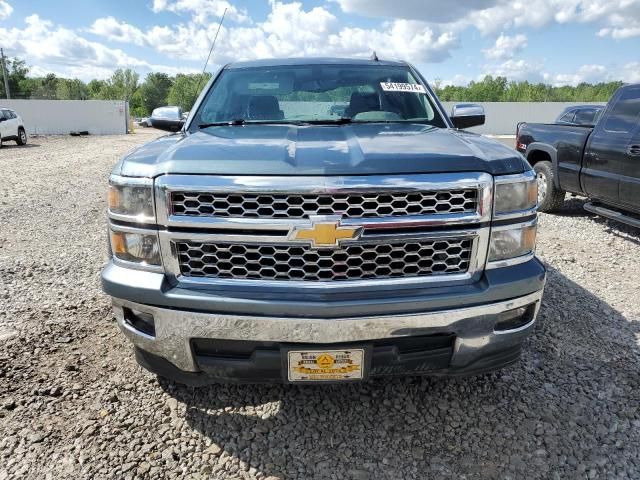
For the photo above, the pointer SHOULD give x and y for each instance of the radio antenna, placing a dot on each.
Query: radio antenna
(213, 45)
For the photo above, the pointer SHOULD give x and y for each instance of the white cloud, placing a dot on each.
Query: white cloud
(402, 39)
(586, 73)
(457, 80)
(420, 31)
(619, 18)
(516, 70)
(622, 26)
(432, 11)
(201, 11)
(291, 31)
(5, 10)
(628, 73)
(114, 30)
(506, 47)
(51, 48)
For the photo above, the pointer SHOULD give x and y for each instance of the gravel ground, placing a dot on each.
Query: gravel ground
(73, 403)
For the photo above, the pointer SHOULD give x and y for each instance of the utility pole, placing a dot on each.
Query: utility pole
(4, 74)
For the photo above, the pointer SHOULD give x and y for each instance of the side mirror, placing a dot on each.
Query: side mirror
(465, 115)
(169, 125)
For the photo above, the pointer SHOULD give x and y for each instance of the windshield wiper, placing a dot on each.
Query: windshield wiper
(329, 121)
(237, 121)
(240, 122)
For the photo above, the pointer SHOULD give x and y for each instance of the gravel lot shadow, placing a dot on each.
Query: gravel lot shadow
(6, 146)
(569, 408)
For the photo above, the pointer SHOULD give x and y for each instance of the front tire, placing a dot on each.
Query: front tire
(550, 197)
(22, 137)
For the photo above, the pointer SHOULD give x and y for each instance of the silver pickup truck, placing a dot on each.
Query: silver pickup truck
(323, 220)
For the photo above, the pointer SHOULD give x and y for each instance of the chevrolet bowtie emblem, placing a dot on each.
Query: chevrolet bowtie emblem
(325, 232)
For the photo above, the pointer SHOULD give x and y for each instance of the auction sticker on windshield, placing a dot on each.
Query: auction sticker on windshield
(402, 87)
(325, 365)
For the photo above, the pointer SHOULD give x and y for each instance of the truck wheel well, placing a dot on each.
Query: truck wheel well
(538, 156)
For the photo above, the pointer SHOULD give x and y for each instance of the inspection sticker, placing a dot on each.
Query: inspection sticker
(264, 86)
(402, 87)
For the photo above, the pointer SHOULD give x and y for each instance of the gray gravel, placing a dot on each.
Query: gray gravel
(73, 403)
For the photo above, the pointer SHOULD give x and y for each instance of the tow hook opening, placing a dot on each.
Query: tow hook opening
(515, 319)
(140, 321)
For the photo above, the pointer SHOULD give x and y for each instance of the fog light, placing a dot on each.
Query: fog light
(141, 321)
(514, 319)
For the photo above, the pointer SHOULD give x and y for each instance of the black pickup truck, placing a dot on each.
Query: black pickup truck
(601, 162)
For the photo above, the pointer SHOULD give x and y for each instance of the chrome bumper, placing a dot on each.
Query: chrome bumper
(473, 327)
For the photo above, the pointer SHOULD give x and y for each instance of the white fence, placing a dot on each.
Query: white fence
(60, 117)
(102, 117)
(503, 117)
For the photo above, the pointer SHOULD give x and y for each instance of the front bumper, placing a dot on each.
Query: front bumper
(467, 314)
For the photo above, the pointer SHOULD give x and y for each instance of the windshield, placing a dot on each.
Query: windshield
(318, 93)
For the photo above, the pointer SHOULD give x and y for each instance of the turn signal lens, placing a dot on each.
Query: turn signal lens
(512, 243)
(136, 248)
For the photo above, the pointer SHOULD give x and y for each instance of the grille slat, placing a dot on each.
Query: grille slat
(296, 206)
(426, 257)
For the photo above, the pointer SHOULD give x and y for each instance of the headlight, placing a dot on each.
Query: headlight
(133, 247)
(131, 199)
(515, 194)
(512, 242)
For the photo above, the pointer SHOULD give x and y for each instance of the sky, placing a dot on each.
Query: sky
(561, 42)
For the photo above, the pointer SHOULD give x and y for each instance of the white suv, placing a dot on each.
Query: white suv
(12, 127)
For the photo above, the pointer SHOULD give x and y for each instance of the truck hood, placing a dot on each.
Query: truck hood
(355, 149)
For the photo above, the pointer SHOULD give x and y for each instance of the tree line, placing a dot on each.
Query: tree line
(156, 90)
(159, 89)
(499, 89)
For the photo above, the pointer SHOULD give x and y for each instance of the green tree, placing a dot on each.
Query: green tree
(498, 89)
(17, 71)
(46, 87)
(186, 88)
(95, 88)
(75, 89)
(154, 91)
(136, 105)
(122, 84)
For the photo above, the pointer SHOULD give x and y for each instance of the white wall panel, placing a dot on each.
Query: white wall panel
(60, 117)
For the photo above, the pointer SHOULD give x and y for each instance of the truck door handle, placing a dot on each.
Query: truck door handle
(634, 150)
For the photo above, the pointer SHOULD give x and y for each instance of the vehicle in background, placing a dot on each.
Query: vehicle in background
(167, 118)
(600, 162)
(272, 241)
(145, 122)
(12, 127)
(185, 115)
(580, 115)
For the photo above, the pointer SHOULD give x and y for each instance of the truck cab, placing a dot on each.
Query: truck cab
(323, 220)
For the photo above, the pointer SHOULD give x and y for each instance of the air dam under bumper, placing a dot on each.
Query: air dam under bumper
(476, 345)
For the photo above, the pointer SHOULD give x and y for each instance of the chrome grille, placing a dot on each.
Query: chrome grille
(296, 206)
(375, 260)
